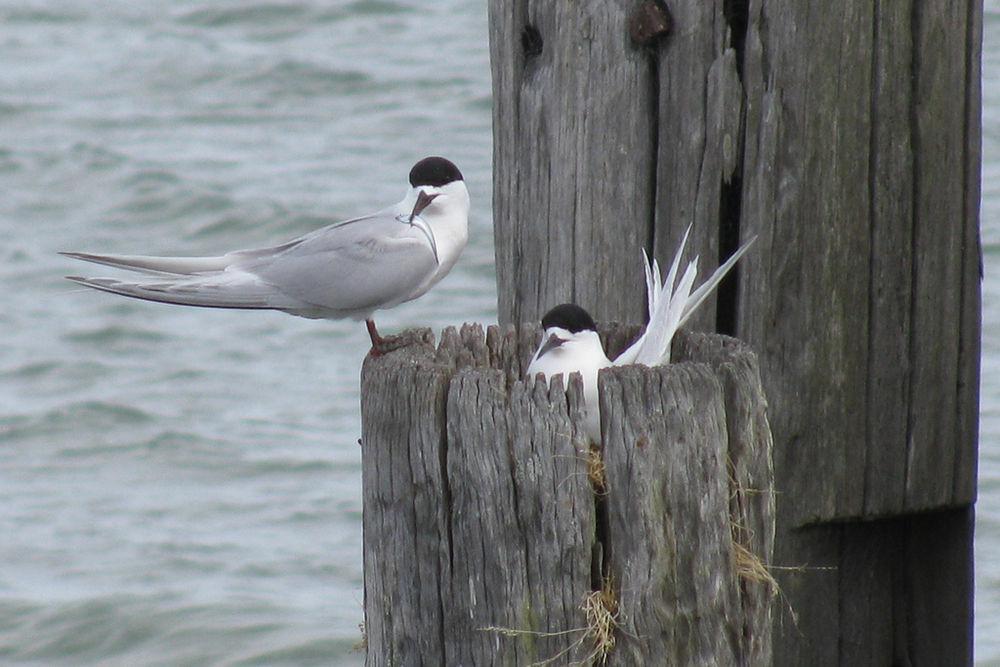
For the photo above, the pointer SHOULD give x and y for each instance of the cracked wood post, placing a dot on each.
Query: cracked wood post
(846, 136)
(492, 537)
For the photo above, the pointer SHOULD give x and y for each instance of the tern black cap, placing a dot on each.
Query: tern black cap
(570, 317)
(435, 171)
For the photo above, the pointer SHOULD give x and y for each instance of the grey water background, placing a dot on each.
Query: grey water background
(182, 486)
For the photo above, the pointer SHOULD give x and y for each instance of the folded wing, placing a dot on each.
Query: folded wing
(346, 269)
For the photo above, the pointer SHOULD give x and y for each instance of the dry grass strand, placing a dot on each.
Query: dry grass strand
(596, 470)
(600, 608)
(750, 568)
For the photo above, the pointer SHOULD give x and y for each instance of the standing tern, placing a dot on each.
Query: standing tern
(345, 270)
(570, 343)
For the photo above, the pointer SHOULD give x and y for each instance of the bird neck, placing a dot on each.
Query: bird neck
(450, 223)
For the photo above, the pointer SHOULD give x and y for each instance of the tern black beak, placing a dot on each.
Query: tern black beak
(552, 343)
(423, 201)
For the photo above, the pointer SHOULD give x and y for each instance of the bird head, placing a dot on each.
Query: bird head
(436, 188)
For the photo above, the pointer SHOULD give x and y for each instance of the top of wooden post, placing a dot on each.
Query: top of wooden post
(493, 526)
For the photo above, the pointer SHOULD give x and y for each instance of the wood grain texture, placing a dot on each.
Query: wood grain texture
(405, 506)
(699, 117)
(857, 168)
(846, 136)
(808, 277)
(916, 397)
(603, 147)
(573, 161)
(482, 529)
(895, 591)
(669, 520)
(891, 256)
(882, 275)
(939, 123)
(966, 460)
(751, 475)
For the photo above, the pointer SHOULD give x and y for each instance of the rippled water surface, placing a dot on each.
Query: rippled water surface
(182, 487)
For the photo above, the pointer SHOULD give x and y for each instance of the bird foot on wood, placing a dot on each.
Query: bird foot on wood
(382, 345)
(387, 344)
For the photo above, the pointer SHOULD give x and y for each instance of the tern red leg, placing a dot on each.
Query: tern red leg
(378, 343)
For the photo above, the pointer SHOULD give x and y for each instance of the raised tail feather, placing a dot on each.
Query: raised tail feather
(706, 288)
(671, 305)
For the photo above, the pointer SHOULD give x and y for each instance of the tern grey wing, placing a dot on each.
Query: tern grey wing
(238, 256)
(376, 262)
(192, 266)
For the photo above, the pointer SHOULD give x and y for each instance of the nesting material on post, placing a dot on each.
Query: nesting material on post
(596, 470)
(601, 609)
(496, 534)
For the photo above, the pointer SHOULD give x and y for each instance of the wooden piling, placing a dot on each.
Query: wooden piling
(494, 533)
(846, 137)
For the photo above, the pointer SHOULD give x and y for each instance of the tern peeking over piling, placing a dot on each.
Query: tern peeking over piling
(345, 270)
(571, 344)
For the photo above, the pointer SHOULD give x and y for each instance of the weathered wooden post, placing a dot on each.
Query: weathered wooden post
(495, 534)
(846, 136)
